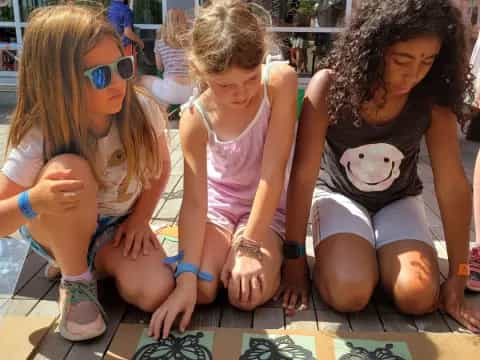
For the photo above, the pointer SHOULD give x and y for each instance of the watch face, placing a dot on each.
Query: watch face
(290, 251)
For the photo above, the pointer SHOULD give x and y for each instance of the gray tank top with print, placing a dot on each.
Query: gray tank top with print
(376, 165)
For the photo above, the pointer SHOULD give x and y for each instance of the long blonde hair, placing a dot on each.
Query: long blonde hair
(228, 33)
(174, 31)
(51, 96)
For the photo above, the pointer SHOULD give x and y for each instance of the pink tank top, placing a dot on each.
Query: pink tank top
(234, 166)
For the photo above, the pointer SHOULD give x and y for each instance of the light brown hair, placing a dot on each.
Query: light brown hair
(51, 95)
(227, 33)
(174, 31)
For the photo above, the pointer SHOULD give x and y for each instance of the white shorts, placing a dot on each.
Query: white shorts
(170, 92)
(404, 219)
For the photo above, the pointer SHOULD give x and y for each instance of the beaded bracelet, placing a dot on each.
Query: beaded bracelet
(248, 247)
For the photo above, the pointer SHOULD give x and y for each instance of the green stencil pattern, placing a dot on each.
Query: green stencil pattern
(190, 345)
(277, 347)
(364, 349)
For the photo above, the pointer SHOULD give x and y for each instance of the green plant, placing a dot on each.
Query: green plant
(306, 7)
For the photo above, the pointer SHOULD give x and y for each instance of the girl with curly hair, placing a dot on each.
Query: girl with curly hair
(397, 74)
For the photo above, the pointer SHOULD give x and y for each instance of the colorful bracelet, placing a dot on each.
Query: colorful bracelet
(183, 267)
(248, 247)
(463, 270)
(25, 206)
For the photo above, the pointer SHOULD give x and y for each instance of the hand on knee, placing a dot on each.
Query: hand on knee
(248, 301)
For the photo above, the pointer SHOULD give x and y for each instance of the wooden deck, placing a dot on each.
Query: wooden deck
(35, 295)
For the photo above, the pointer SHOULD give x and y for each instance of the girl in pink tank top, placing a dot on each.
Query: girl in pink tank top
(237, 140)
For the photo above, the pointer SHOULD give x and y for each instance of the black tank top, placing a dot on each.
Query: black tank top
(376, 164)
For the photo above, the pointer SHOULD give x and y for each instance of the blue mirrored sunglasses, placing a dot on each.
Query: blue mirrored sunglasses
(101, 76)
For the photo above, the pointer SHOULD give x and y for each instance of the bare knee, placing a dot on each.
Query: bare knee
(78, 167)
(415, 297)
(243, 306)
(346, 294)
(147, 297)
(207, 292)
(266, 294)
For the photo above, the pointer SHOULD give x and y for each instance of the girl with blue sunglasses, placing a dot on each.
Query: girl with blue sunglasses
(87, 162)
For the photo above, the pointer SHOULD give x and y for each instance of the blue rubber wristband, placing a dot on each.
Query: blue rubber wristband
(183, 267)
(25, 206)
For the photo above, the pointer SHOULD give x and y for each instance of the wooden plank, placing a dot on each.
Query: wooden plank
(234, 318)
(430, 198)
(365, 321)
(425, 173)
(36, 288)
(115, 309)
(439, 234)
(442, 258)
(206, 316)
(19, 307)
(177, 168)
(172, 182)
(397, 322)
(171, 208)
(455, 326)
(31, 267)
(305, 319)
(388, 314)
(268, 318)
(53, 346)
(133, 315)
(332, 321)
(433, 322)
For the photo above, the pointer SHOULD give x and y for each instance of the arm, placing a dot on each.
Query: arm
(135, 231)
(148, 199)
(192, 221)
(308, 154)
(454, 198)
(451, 186)
(128, 29)
(158, 61)
(277, 149)
(306, 164)
(129, 33)
(194, 137)
(11, 218)
(476, 197)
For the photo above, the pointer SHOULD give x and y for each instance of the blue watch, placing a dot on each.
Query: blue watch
(293, 250)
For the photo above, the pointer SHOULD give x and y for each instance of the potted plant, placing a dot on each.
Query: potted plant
(305, 11)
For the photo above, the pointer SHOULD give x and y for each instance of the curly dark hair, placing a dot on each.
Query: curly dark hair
(357, 57)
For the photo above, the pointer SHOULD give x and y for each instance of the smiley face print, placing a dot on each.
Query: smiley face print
(372, 167)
